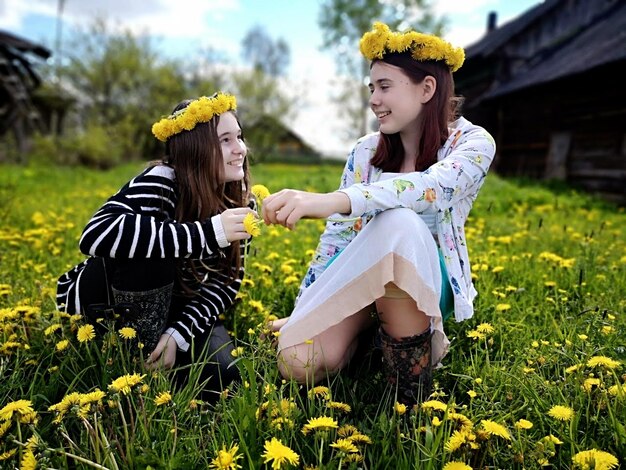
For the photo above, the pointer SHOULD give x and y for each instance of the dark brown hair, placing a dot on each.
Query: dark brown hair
(198, 163)
(437, 113)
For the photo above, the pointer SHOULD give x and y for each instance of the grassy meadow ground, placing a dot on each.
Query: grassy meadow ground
(536, 379)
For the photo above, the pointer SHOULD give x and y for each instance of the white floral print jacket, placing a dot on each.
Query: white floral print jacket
(450, 185)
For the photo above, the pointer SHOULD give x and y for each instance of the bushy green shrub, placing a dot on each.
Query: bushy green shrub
(95, 147)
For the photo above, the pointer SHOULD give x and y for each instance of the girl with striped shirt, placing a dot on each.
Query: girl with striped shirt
(165, 251)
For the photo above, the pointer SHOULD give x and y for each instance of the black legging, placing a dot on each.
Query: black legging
(212, 352)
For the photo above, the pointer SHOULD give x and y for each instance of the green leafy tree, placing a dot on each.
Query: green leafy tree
(262, 106)
(121, 83)
(263, 103)
(343, 22)
(269, 56)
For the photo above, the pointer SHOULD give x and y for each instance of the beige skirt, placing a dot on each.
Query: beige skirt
(395, 247)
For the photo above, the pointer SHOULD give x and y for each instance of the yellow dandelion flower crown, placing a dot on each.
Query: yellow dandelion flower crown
(380, 41)
(203, 109)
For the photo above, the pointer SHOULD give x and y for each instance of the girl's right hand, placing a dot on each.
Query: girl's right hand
(232, 222)
(276, 325)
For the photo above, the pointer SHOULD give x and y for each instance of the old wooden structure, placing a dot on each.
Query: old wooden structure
(273, 140)
(549, 86)
(18, 80)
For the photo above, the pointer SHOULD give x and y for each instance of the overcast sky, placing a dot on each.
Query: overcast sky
(182, 27)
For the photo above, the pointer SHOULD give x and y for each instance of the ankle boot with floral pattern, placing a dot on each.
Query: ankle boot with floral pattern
(407, 365)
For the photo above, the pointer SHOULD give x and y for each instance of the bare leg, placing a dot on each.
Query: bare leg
(401, 317)
(327, 353)
(405, 341)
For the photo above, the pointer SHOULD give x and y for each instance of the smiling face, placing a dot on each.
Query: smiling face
(233, 148)
(395, 100)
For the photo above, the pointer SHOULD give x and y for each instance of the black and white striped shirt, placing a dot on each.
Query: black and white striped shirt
(138, 222)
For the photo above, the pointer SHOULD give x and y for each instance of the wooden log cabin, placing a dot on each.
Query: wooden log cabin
(550, 87)
(18, 80)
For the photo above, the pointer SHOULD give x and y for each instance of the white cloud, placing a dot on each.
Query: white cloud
(162, 18)
(13, 12)
(314, 82)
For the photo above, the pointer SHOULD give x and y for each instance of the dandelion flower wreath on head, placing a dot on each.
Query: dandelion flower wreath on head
(203, 109)
(381, 40)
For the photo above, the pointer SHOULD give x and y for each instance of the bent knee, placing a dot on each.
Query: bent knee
(403, 221)
(304, 364)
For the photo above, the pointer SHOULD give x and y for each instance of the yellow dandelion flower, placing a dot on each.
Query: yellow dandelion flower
(260, 192)
(583, 337)
(251, 224)
(127, 332)
(256, 304)
(62, 345)
(562, 413)
(345, 445)
(359, 438)
(86, 333)
(463, 420)
(16, 408)
(485, 328)
(124, 383)
(320, 390)
(607, 330)
(436, 421)
(4, 427)
(277, 423)
(502, 307)
(52, 328)
(472, 394)
(589, 383)
(226, 459)
(616, 390)
(552, 439)
(236, 352)
(495, 429)
(7, 455)
(434, 405)
(291, 280)
(400, 408)
(163, 398)
(476, 335)
(523, 424)
(573, 368)
(603, 361)
(456, 440)
(596, 459)
(456, 465)
(278, 453)
(339, 406)
(323, 423)
(356, 458)
(347, 430)
(29, 462)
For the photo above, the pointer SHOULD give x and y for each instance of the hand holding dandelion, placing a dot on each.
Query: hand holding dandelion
(251, 221)
(288, 206)
(233, 222)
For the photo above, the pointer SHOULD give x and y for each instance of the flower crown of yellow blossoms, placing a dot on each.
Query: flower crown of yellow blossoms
(201, 110)
(380, 41)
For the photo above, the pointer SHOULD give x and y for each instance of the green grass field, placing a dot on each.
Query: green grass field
(536, 379)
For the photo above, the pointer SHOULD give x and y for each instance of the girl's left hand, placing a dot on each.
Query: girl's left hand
(288, 206)
(164, 355)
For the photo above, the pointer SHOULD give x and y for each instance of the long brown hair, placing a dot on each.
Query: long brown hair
(198, 163)
(437, 113)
